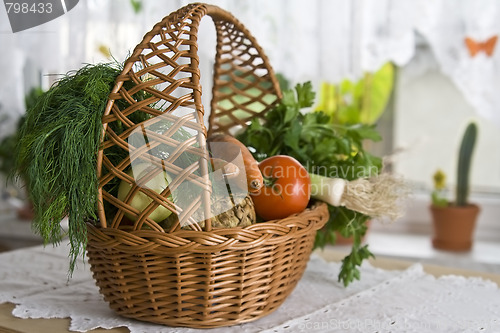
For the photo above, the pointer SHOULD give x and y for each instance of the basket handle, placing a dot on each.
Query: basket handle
(243, 78)
(244, 83)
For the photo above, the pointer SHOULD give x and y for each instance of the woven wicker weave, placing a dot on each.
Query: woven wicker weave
(196, 278)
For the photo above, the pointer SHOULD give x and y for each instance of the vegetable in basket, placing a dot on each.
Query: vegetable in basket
(376, 197)
(140, 179)
(228, 152)
(327, 150)
(233, 208)
(56, 153)
(286, 190)
(140, 201)
(279, 185)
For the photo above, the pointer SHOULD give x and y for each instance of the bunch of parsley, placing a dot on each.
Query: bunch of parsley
(324, 148)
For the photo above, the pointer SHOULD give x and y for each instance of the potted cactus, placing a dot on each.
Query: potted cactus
(454, 222)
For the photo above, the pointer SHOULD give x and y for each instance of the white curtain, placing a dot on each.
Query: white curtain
(305, 40)
(445, 24)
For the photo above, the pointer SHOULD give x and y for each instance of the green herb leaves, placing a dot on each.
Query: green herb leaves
(321, 146)
(57, 153)
(324, 148)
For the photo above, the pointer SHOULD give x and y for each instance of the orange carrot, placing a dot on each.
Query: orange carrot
(229, 170)
(229, 152)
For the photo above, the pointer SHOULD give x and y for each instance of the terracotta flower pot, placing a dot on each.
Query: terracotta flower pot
(26, 213)
(454, 227)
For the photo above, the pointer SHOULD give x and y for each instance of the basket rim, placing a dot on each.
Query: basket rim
(270, 232)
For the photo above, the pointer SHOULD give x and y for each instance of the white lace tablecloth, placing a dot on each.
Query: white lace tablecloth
(383, 301)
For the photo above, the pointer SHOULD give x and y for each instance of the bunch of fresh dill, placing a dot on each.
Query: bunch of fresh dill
(57, 153)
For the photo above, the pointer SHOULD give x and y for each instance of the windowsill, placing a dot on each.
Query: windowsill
(409, 238)
(483, 257)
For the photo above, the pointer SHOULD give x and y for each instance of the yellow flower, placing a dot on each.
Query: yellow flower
(439, 180)
(104, 51)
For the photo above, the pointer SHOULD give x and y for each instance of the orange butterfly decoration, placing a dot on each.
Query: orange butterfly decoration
(487, 46)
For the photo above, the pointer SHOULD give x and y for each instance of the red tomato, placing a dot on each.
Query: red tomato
(287, 190)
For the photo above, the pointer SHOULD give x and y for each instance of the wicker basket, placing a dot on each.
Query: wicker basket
(196, 278)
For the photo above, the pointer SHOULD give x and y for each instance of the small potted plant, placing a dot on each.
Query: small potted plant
(454, 222)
